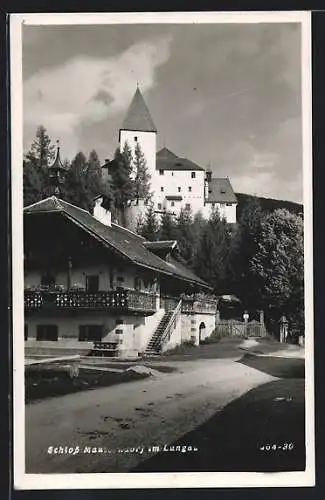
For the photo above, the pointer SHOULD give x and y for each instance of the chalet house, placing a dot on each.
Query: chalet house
(93, 286)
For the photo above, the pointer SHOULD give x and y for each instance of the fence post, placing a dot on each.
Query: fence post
(262, 324)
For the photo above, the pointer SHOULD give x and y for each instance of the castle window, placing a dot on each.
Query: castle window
(172, 203)
(135, 139)
(161, 172)
(179, 189)
(159, 206)
(161, 189)
(187, 206)
(190, 189)
(193, 175)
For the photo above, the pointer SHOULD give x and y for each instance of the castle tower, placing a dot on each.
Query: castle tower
(138, 127)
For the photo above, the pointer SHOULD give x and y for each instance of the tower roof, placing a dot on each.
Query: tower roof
(57, 164)
(138, 115)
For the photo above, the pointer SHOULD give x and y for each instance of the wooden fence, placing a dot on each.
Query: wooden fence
(233, 328)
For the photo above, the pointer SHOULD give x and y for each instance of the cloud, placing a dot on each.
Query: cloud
(87, 89)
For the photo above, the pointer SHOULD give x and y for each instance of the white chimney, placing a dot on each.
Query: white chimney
(101, 214)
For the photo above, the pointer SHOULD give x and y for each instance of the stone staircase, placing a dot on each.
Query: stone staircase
(154, 345)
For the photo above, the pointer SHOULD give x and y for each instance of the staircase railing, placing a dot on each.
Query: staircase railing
(170, 325)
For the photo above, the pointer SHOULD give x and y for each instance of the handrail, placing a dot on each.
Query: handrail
(170, 323)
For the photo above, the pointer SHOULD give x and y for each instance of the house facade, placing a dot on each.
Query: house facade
(95, 287)
(176, 182)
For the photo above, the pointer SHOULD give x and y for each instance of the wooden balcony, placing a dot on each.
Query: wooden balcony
(127, 301)
(197, 305)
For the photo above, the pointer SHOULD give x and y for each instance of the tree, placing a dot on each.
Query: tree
(31, 184)
(40, 156)
(149, 227)
(210, 260)
(242, 248)
(93, 178)
(168, 229)
(142, 176)
(75, 189)
(279, 265)
(186, 236)
(122, 184)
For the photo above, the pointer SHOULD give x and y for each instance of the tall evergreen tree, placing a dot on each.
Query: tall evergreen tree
(211, 256)
(32, 188)
(142, 176)
(75, 186)
(122, 184)
(40, 156)
(244, 246)
(149, 228)
(93, 178)
(186, 236)
(168, 228)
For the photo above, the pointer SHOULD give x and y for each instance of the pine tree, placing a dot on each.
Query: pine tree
(168, 228)
(93, 180)
(75, 188)
(40, 156)
(185, 236)
(122, 184)
(149, 227)
(211, 255)
(142, 176)
(31, 184)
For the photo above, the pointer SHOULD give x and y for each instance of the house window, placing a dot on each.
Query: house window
(193, 175)
(47, 332)
(161, 189)
(119, 322)
(229, 204)
(159, 206)
(179, 189)
(135, 139)
(187, 206)
(190, 189)
(92, 283)
(137, 283)
(90, 333)
(172, 203)
(26, 331)
(213, 205)
(47, 280)
(161, 172)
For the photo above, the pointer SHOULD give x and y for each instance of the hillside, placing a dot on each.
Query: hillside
(267, 204)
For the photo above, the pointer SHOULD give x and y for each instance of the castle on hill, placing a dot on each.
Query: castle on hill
(176, 182)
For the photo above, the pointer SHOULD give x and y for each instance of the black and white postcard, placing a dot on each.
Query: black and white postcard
(162, 250)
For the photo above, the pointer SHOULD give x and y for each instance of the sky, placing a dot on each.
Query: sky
(224, 95)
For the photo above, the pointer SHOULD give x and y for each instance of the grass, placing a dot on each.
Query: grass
(42, 383)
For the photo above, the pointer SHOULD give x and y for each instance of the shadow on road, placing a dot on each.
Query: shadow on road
(277, 367)
(262, 431)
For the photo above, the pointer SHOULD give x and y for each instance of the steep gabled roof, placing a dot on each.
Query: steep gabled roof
(166, 160)
(128, 244)
(138, 116)
(221, 191)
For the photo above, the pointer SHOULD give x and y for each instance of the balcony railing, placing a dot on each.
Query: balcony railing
(199, 305)
(119, 300)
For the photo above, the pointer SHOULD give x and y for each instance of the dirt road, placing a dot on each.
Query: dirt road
(151, 412)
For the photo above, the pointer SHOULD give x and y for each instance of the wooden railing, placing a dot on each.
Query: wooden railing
(199, 305)
(171, 323)
(168, 303)
(125, 300)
